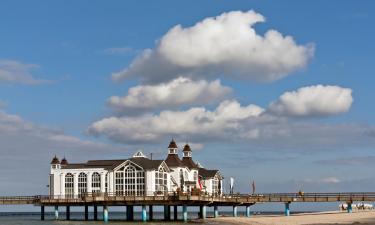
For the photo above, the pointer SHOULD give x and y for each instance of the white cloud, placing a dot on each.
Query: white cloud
(226, 118)
(224, 45)
(316, 100)
(325, 180)
(16, 72)
(178, 92)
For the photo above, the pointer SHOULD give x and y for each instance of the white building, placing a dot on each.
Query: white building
(137, 175)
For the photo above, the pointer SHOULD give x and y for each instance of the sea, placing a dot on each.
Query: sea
(77, 218)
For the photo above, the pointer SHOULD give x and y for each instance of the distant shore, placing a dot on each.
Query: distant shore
(331, 217)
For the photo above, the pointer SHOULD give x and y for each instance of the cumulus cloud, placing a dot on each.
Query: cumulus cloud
(225, 45)
(192, 122)
(16, 72)
(316, 100)
(178, 92)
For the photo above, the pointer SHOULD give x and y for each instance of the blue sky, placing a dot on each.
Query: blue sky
(57, 61)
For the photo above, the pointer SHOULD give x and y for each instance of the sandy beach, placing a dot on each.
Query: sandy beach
(332, 217)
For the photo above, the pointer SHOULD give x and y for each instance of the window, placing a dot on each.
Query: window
(119, 182)
(195, 176)
(106, 182)
(95, 182)
(130, 181)
(215, 186)
(182, 181)
(161, 180)
(69, 185)
(82, 184)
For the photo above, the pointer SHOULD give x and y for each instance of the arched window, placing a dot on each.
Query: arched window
(161, 180)
(69, 185)
(195, 176)
(95, 182)
(215, 186)
(130, 181)
(82, 183)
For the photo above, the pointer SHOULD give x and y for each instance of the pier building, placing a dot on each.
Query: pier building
(134, 176)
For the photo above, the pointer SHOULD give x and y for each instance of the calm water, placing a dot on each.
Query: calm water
(77, 217)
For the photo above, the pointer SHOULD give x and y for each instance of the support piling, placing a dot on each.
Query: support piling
(144, 213)
(248, 211)
(350, 208)
(150, 212)
(216, 211)
(105, 214)
(86, 212)
(130, 213)
(287, 210)
(67, 212)
(175, 212)
(235, 211)
(95, 212)
(42, 212)
(184, 213)
(56, 212)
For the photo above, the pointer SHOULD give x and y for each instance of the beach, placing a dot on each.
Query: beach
(331, 217)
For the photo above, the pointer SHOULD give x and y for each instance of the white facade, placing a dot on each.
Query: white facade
(136, 176)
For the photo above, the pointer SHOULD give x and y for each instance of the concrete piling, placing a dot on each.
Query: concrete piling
(105, 214)
(150, 212)
(216, 211)
(235, 211)
(287, 210)
(95, 212)
(175, 212)
(184, 213)
(248, 211)
(144, 213)
(86, 212)
(56, 212)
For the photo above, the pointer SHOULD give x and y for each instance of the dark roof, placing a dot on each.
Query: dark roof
(172, 160)
(187, 148)
(64, 161)
(172, 144)
(55, 160)
(188, 162)
(207, 173)
(145, 163)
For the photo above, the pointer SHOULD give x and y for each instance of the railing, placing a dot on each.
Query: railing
(261, 197)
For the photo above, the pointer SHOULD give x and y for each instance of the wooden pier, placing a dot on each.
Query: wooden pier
(168, 200)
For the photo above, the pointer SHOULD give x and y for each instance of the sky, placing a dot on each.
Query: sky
(276, 92)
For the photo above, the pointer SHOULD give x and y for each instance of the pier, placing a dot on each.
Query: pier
(176, 201)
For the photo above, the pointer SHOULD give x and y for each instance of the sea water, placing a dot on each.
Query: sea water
(77, 218)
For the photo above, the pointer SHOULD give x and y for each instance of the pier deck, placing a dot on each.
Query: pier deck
(171, 199)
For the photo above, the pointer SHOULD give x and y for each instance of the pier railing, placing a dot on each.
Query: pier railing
(171, 197)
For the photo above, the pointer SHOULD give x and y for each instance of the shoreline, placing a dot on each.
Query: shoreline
(326, 217)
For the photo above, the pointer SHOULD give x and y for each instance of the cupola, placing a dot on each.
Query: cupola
(187, 151)
(172, 147)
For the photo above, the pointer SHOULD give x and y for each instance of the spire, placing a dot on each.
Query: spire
(172, 144)
(55, 160)
(64, 161)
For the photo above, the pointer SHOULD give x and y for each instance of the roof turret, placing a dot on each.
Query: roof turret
(172, 144)
(55, 160)
(64, 161)
(187, 148)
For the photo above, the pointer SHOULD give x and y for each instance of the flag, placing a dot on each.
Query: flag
(200, 184)
(231, 185)
(253, 186)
